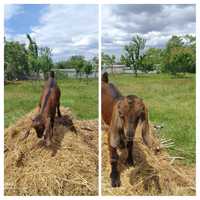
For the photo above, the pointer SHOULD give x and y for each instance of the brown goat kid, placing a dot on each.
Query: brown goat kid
(43, 122)
(122, 114)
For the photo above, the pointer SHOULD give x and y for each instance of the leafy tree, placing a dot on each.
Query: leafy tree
(108, 60)
(77, 62)
(133, 53)
(112, 62)
(95, 63)
(152, 60)
(16, 60)
(87, 69)
(174, 42)
(180, 54)
(125, 60)
(33, 55)
(181, 61)
(45, 61)
(105, 59)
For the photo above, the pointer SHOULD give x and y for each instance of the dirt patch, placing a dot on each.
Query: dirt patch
(67, 167)
(153, 174)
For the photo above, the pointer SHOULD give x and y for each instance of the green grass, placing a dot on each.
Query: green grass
(171, 102)
(21, 97)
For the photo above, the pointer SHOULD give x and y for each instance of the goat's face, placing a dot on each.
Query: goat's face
(38, 125)
(128, 109)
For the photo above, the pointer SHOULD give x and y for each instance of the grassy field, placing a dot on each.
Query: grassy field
(22, 96)
(171, 102)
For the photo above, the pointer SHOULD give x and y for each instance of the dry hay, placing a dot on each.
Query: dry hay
(153, 174)
(68, 167)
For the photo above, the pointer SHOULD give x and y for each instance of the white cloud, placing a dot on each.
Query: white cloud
(12, 10)
(67, 30)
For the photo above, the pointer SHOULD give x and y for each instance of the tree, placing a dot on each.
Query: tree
(16, 60)
(95, 63)
(108, 60)
(152, 60)
(181, 61)
(133, 53)
(125, 60)
(174, 42)
(33, 55)
(45, 61)
(87, 69)
(77, 62)
(180, 55)
(112, 62)
(105, 59)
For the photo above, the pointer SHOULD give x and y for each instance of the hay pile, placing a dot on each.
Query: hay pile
(153, 174)
(68, 167)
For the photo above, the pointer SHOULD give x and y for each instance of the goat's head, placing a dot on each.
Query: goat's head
(38, 125)
(129, 111)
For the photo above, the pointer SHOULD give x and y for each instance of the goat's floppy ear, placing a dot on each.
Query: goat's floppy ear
(115, 127)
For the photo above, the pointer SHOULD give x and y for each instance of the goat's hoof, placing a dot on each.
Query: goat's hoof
(130, 162)
(115, 180)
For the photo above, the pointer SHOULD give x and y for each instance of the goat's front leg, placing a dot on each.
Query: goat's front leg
(47, 132)
(114, 175)
(58, 110)
(51, 129)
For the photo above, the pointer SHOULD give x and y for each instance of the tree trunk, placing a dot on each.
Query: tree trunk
(87, 78)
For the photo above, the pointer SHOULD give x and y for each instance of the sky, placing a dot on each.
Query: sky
(156, 23)
(67, 29)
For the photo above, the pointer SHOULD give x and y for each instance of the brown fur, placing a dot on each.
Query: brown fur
(122, 114)
(43, 122)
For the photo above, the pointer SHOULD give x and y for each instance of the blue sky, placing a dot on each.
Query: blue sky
(67, 29)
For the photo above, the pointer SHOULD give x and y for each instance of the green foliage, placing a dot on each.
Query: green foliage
(45, 61)
(33, 61)
(108, 60)
(180, 55)
(22, 62)
(125, 60)
(77, 62)
(152, 60)
(133, 55)
(15, 60)
(88, 69)
(63, 64)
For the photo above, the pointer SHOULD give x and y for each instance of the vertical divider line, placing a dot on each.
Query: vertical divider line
(197, 98)
(2, 99)
(99, 99)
